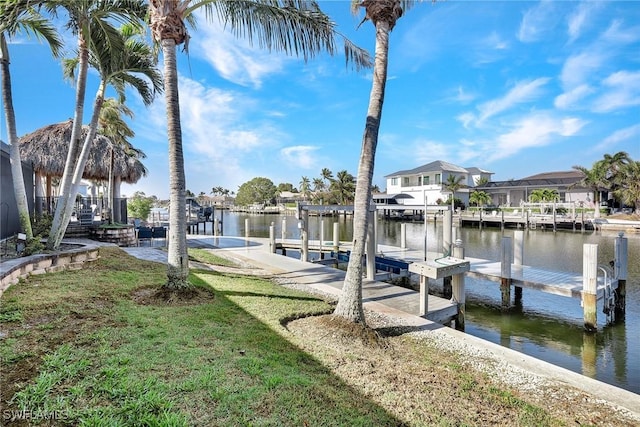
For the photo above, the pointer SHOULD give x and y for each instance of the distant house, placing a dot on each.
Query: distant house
(424, 184)
(516, 191)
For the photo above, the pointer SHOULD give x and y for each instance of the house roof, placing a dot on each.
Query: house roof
(547, 179)
(435, 166)
(474, 170)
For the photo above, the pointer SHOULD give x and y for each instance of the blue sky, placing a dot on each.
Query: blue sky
(513, 87)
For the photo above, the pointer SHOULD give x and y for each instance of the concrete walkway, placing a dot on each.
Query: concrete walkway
(400, 303)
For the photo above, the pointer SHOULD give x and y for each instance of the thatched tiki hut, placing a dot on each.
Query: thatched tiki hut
(46, 149)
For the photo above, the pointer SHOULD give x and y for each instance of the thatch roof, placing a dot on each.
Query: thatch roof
(47, 149)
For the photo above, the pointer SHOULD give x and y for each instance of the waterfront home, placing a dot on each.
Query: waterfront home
(514, 192)
(425, 184)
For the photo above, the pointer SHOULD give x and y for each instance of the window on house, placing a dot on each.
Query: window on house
(438, 179)
(425, 180)
(419, 180)
(405, 181)
(394, 181)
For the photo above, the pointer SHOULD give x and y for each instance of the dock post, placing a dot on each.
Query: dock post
(246, 228)
(458, 289)
(447, 240)
(371, 249)
(518, 259)
(505, 272)
(216, 227)
(502, 219)
(424, 295)
(336, 237)
(304, 235)
(480, 221)
(272, 238)
(403, 236)
(589, 286)
(283, 232)
(621, 275)
(321, 237)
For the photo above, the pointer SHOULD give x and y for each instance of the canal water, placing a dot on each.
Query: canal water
(547, 327)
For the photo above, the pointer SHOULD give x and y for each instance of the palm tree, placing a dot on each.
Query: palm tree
(305, 187)
(343, 187)
(112, 125)
(629, 185)
(594, 179)
(479, 198)
(297, 27)
(327, 175)
(15, 17)
(544, 195)
(92, 22)
(453, 184)
(383, 15)
(482, 181)
(614, 163)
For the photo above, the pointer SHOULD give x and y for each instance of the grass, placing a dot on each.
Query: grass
(90, 347)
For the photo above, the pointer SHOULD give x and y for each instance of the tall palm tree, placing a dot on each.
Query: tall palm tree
(343, 187)
(383, 14)
(111, 124)
(452, 185)
(327, 176)
(594, 179)
(292, 26)
(131, 64)
(305, 187)
(19, 16)
(629, 185)
(92, 21)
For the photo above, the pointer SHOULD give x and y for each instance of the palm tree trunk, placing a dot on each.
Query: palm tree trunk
(66, 197)
(350, 302)
(111, 207)
(117, 200)
(14, 153)
(56, 236)
(178, 261)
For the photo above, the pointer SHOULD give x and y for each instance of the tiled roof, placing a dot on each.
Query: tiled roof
(435, 166)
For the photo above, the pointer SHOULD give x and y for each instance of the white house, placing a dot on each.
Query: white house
(424, 184)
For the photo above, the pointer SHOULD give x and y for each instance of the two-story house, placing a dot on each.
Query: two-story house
(425, 184)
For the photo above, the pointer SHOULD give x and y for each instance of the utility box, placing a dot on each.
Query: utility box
(440, 267)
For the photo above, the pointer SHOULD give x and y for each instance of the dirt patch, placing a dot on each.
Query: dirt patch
(161, 296)
(419, 382)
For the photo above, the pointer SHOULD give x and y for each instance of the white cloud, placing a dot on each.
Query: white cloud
(617, 137)
(535, 130)
(571, 98)
(580, 68)
(523, 92)
(623, 90)
(578, 19)
(466, 119)
(536, 22)
(301, 155)
(616, 34)
(235, 59)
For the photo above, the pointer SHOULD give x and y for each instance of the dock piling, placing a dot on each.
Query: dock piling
(458, 288)
(336, 237)
(620, 264)
(246, 228)
(272, 238)
(505, 272)
(518, 261)
(589, 286)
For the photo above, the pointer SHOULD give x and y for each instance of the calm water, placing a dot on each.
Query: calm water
(548, 327)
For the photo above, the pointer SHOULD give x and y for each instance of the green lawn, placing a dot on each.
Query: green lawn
(96, 347)
(80, 348)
